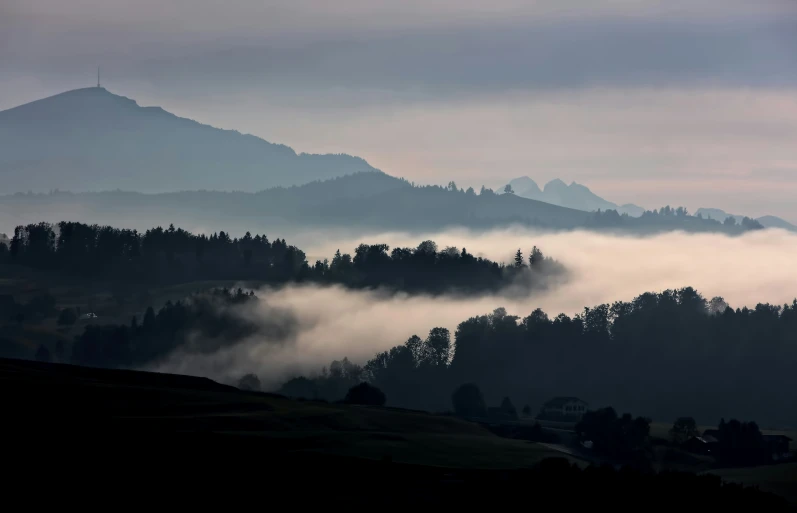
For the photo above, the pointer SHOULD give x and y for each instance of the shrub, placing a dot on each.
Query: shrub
(67, 317)
(249, 382)
(468, 401)
(365, 394)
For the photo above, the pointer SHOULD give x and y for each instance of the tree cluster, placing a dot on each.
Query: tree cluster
(35, 309)
(660, 354)
(621, 438)
(158, 335)
(668, 218)
(173, 255)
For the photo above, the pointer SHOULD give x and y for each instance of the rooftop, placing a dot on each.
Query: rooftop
(558, 402)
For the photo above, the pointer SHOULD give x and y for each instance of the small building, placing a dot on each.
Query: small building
(706, 444)
(563, 409)
(778, 446)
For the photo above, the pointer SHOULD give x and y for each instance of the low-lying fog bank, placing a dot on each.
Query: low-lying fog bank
(335, 322)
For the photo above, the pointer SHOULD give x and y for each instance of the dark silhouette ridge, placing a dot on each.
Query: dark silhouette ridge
(91, 139)
(365, 201)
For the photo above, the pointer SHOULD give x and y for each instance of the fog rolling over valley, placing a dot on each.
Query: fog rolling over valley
(334, 322)
(330, 323)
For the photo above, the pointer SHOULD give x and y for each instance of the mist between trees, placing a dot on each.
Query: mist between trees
(660, 354)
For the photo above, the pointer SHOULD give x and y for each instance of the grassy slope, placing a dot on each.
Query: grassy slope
(777, 479)
(662, 430)
(780, 479)
(137, 402)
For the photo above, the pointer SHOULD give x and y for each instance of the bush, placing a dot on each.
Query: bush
(67, 317)
(508, 408)
(365, 394)
(618, 437)
(43, 354)
(249, 382)
(468, 401)
(683, 429)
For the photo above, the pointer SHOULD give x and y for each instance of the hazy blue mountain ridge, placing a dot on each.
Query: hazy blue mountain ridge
(361, 201)
(92, 140)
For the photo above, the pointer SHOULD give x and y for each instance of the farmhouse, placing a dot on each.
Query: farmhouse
(705, 444)
(563, 409)
(778, 446)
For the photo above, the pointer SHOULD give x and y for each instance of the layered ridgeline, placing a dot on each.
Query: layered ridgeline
(91, 140)
(371, 201)
(575, 196)
(766, 221)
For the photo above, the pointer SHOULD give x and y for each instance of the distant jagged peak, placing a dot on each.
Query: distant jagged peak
(525, 185)
(555, 184)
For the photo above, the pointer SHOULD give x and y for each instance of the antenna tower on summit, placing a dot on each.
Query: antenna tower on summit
(98, 76)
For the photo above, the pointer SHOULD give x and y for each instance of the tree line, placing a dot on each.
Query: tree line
(662, 354)
(172, 328)
(668, 218)
(173, 255)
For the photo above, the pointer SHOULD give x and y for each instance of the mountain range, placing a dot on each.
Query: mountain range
(367, 202)
(201, 177)
(766, 221)
(92, 140)
(575, 196)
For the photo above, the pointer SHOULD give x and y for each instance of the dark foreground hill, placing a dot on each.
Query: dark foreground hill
(92, 140)
(104, 436)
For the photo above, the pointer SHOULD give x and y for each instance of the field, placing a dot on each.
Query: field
(662, 430)
(133, 401)
(127, 420)
(778, 479)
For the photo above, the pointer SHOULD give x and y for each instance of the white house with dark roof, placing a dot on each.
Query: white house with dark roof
(563, 409)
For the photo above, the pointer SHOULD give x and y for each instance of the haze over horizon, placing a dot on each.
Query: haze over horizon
(645, 102)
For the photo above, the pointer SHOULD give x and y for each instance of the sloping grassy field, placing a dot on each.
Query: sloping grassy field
(778, 479)
(142, 402)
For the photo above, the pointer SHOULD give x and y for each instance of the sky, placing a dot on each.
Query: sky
(650, 102)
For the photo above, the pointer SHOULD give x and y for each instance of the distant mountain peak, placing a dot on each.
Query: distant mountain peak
(556, 183)
(91, 139)
(525, 186)
(575, 195)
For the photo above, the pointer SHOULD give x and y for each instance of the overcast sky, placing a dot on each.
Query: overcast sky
(682, 102)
